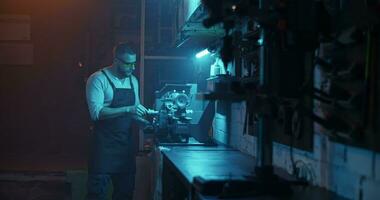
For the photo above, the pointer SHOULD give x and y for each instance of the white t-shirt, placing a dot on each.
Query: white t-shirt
(99, 92)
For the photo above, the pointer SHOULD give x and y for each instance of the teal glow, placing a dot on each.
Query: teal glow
(190, 7)
(260, 41)
(220, 125)
(202, 53)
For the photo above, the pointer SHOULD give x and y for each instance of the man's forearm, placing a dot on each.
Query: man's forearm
(108, 112)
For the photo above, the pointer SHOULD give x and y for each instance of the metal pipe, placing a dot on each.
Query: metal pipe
(142, 50)
(264, 142)
(147, 57)
(142, 65)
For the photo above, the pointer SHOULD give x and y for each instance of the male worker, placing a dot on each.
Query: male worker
(113, 100)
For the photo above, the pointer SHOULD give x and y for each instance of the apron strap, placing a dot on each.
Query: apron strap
(109, 80)
(130, 82)
(113, 86)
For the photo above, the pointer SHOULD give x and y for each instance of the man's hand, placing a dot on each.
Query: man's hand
(141, 110)
(152, 112)
(138, 110)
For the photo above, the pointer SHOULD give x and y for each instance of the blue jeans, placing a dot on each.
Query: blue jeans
(123, 186)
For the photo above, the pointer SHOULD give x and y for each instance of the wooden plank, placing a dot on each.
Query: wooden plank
(16, 54)
(15, 28)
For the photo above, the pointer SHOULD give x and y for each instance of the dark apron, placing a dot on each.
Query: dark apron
(112, 146)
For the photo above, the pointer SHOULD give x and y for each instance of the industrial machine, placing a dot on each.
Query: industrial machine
(181, 116)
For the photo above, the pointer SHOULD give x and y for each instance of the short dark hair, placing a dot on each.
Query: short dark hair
(121, 49)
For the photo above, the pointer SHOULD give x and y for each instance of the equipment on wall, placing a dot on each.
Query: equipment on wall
(282, 93)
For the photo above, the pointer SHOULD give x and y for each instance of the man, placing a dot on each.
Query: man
(113, 100)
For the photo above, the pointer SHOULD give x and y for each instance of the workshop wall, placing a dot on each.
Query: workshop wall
(44, 121)
(351, 172)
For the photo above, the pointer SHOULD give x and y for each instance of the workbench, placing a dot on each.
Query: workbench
(181, 164)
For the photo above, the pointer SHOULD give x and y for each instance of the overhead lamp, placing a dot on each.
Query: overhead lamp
(202, 53)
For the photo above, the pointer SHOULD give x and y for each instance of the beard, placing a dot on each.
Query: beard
(124, 73)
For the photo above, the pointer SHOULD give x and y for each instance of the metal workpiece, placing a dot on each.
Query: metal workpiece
(181, 116)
